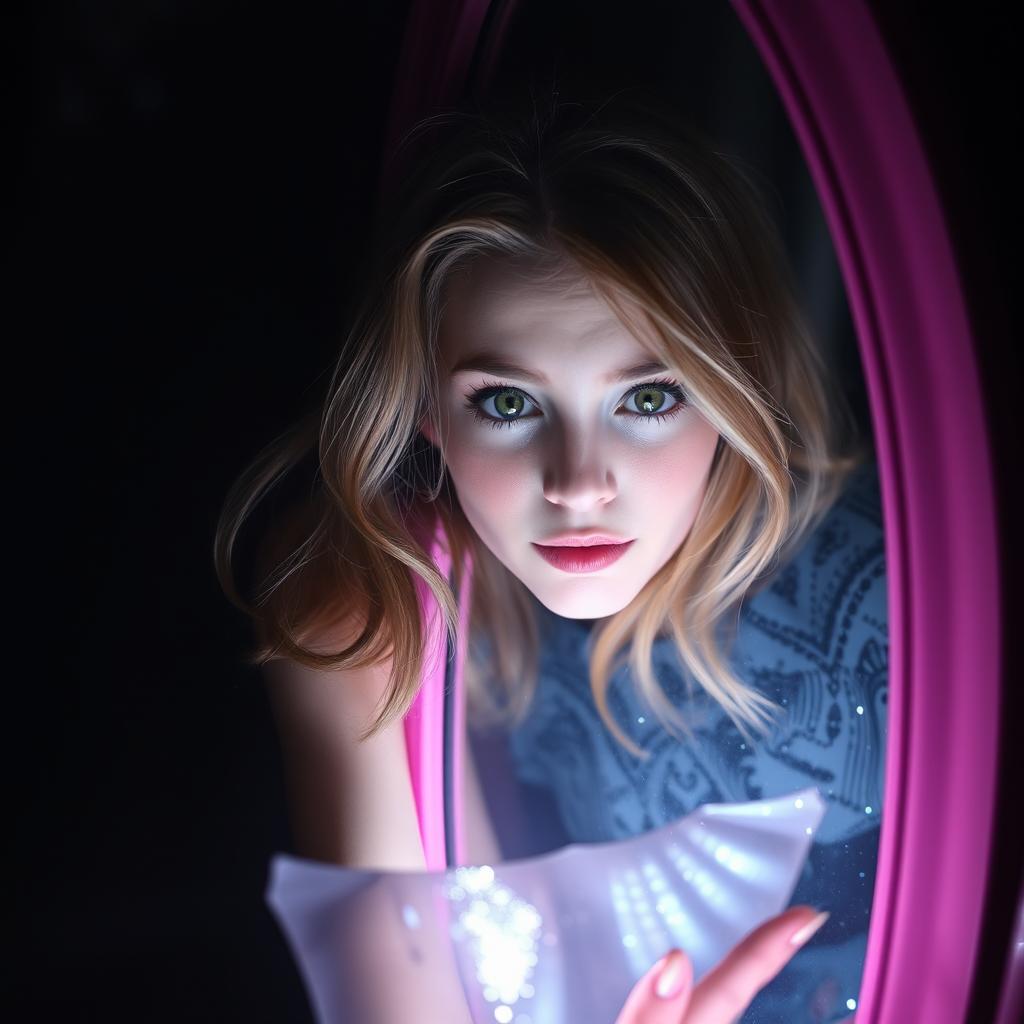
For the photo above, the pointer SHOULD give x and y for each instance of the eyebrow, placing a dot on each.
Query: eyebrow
(489, 362)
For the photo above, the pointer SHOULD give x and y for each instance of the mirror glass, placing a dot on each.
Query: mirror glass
(810, 634)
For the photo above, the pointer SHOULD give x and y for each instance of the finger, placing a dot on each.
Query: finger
(728, 988)
(644, 1005)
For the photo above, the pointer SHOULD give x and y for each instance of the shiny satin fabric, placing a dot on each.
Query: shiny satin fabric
(541, 940)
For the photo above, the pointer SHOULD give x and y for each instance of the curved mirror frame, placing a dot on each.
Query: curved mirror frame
(857, 135)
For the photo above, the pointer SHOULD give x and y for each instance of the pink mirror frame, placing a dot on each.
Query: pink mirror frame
(852, 121)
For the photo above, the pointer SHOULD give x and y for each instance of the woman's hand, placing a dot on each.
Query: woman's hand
(727, 989)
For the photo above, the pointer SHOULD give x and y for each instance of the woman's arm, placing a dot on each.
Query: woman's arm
(352, 804)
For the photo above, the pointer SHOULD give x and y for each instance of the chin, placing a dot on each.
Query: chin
(597, 604)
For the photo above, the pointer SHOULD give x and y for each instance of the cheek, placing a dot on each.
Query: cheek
(688, 464)
(492, 484)
(676, 477)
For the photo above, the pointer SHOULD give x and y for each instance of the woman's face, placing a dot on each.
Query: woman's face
(560, 440)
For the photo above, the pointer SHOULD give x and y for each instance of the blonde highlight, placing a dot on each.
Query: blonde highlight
(677, 242)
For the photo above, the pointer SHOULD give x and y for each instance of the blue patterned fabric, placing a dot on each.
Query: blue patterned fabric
(815, 640)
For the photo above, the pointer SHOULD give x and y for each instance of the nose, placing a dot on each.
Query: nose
(580, 476)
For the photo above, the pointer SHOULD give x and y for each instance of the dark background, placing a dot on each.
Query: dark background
(194, 200)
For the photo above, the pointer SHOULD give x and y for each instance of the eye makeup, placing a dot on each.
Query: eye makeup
(475, 398)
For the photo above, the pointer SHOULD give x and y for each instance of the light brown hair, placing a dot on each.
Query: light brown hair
(676, 238)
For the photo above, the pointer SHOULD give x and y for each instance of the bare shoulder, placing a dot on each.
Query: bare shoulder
(350, 800)
(342, 695)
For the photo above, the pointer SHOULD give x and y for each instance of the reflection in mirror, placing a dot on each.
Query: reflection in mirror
(580, 319)
(721, 618)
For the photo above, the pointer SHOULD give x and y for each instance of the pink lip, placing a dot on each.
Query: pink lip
(582, 540)
(582, 558)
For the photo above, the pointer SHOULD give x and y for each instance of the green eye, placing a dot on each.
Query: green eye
(510, 402)
(649, 399)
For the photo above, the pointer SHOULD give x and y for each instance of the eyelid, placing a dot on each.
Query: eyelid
(665, 384)
(662, 383)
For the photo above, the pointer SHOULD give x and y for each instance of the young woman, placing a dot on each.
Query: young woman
(578, 351)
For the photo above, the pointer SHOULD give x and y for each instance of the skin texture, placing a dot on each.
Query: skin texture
(583, 453)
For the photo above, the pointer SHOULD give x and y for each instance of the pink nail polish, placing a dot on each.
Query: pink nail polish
(670, 980)
(801, 935)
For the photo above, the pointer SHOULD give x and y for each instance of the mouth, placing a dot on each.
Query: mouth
(577, 559)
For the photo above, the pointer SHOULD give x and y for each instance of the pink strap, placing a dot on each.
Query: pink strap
(460, 711)
(424, 722)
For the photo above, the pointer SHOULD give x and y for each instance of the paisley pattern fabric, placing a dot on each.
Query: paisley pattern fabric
(814, 640)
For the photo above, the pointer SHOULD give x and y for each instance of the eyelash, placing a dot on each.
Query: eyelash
(475, 396)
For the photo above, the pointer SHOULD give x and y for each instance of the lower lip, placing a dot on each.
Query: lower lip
(582, 559)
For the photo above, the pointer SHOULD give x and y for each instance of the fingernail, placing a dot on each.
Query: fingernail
(670, 980)
(801, 935)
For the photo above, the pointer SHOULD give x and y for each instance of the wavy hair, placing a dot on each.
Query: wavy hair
(676, 238)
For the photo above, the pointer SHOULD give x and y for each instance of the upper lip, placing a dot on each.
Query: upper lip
(581, 539)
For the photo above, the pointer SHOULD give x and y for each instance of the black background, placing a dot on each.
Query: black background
(193, 199)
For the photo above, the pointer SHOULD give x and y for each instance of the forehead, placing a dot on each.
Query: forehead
(540, 315)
